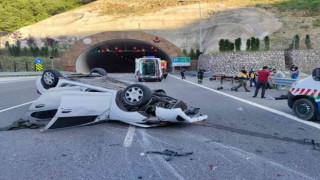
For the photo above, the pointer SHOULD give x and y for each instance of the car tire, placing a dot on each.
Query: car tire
(305, 109)
(50, 78)
(136, 95)
(100, 71)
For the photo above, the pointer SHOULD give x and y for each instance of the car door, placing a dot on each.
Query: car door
(81, 108)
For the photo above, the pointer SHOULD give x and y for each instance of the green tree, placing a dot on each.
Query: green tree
(221, 45)
(25, 51)
(295, 43)
(307, 42)
(231, 46)
(46, 51)
(238, 44)
(41, 51)
(36, 51)
(52, 52)
(7, 44)
(226, 45)
(257, 41)
(56, 53)
(198, 53)
(184, 52)
(266, 43)
(192, 54)
(253, 43)
(18, 48)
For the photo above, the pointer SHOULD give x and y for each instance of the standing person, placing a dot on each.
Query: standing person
(295, 73)
(182, 72)
(263, 76)
(164, 73)
(200, 75)
(252, 76)
(242, 78)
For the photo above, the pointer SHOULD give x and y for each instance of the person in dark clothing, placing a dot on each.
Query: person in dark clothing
(164, 73)
(182, 72)
(263, 76)
(200, 75)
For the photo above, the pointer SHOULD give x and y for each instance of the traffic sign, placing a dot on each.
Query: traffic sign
(39, 67)
(38, 64)
(38, 61)
(180, 61)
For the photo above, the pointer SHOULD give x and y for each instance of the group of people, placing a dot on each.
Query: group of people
(200, 74)
(263, 75)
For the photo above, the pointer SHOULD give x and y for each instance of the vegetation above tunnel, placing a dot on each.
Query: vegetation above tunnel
(18, 13)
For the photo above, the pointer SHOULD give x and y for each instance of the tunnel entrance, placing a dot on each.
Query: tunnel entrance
(118, 55)
(116, 51)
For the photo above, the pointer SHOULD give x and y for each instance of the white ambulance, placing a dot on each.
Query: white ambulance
(148, 68)
(304, 97)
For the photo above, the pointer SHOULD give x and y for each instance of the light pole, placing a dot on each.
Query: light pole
(200, 25)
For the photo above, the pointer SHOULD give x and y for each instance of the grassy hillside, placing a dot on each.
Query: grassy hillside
(19, 13)
(311, 6)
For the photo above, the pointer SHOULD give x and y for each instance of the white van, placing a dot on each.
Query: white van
(148, 69)
(304, 97)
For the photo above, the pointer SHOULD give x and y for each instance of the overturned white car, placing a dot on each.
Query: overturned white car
(85, 99)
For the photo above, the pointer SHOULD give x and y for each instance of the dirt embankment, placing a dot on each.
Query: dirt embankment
(179, 24)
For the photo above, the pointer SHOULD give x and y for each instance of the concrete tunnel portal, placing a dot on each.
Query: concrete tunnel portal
(116, 51)
(118, 56)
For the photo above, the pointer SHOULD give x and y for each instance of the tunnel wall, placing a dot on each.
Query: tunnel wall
(69, 58)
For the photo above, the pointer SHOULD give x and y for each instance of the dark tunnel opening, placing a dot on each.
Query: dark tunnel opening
(118, 56)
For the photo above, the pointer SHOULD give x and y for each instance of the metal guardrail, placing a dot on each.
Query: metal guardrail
(193, 73)
(286, 82)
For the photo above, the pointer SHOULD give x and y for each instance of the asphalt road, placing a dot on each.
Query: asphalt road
(245, 138)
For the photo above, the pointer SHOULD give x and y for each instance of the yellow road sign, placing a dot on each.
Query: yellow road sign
(39, 67)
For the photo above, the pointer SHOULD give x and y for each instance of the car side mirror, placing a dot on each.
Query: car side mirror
(316, 74)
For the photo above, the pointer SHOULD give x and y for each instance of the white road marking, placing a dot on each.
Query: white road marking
(12, 81)
(129, 137)
(315, 125)
(3, 110)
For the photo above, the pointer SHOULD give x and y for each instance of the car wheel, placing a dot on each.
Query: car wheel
(305, 109)
(50, 78)
(99, 71)
(136, 95)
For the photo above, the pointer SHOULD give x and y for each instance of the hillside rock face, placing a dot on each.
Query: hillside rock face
(178, 24)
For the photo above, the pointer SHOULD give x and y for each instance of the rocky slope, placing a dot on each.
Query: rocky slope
(179, 22)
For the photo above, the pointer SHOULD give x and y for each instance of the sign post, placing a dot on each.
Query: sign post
(38, 64)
